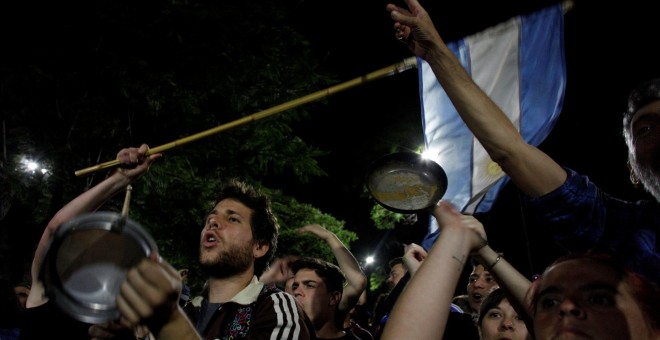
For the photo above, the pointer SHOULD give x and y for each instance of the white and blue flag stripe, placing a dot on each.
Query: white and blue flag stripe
(520, 65)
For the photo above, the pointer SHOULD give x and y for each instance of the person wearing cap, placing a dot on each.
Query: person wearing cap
(580, 214)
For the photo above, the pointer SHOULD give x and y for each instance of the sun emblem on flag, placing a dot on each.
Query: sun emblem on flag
(493, 168)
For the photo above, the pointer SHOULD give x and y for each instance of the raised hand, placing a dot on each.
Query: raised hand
(413, 256)
(150, 295)
(318, 230)
(134, 162)
(279, 271)
(448, 217)
(414, 28)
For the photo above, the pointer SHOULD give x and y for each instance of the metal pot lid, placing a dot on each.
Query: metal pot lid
(87, 260)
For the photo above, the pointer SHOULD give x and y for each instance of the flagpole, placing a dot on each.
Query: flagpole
(399, 67)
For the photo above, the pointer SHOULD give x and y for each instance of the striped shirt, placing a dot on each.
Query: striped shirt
(257, 312)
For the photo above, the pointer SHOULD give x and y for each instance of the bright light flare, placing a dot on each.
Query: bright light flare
(30, 166)
(427, 154)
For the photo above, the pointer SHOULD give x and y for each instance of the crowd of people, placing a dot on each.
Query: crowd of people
(605, 287)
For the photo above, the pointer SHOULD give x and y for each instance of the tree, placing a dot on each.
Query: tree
(83, 79)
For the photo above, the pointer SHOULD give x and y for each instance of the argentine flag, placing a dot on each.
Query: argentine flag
(520, 64)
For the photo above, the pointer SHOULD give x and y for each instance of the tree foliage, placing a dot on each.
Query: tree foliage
(385, 219)
(89, 78)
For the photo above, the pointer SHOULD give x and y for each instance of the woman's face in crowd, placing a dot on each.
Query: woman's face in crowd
(581, 298)
(502, 322)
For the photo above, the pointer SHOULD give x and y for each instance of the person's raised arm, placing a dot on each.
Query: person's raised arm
(279, 271)
(355, 278)
(514, 284)
(134, 164)
(533, 171)
(423, 307)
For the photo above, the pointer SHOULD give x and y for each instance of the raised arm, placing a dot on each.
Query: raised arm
(355, 278)
(279, 272)
(514, 284)
(422, 308)
(135, 164)
(534, 172)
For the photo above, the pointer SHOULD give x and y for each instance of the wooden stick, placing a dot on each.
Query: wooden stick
(127, 201)
(119, 224)
(399, 67)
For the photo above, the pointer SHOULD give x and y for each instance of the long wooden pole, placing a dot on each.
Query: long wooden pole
(399, 67)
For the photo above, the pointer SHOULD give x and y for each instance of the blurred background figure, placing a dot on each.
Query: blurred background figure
(397, 271)
(184, 298)
(385, 301)
(10, 312)
(462, 302)
(22, 291)
(357, 319)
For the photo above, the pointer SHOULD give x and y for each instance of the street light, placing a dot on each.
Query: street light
(369, 260)
(30, 166)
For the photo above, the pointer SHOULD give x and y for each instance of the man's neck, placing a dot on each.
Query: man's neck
(222, 290)
(329, 331)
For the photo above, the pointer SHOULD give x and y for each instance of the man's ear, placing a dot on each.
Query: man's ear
(335, 298)
(260, 250)
(633, 177)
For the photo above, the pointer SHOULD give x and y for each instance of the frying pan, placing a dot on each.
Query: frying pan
(87, 260)
(404, 182)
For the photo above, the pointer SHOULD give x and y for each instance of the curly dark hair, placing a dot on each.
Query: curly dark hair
(393, 262)
(330, 273)
(265, 227)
